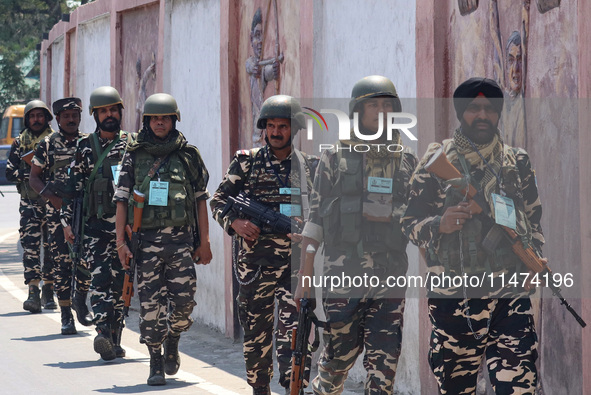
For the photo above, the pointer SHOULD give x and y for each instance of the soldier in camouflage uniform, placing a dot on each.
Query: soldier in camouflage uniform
(264, 269)
(174, 230)
(94, 175)
(495, 321)
(33, 224)
(357, 202)
(49, 177)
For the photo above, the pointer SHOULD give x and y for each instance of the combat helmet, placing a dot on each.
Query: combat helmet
(282, 106)
(373, 86)
(33, 104)
(104, 96)
(161, 104)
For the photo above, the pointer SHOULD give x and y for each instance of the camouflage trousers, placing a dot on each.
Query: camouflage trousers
(355, 324)
(33, 230)
(509, 345)
(256, 306)
(166, 285)
(58, 247)
(106, 286)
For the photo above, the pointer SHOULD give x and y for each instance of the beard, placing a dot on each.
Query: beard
(110, 124)
(479, 136)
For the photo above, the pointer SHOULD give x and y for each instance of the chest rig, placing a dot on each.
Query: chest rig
(476, 258)
(346, 228)
(29, 142)
(180, 210)
(99, 188)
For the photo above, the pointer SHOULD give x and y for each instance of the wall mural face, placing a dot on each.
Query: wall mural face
(268, 49)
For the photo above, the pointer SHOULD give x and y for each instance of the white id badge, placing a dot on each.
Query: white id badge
(289, 191)
(504, 211)
(115, 169)
(290, 210)
(158, 193)
(379, 185)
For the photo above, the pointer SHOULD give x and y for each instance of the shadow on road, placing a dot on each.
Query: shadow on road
(139, 388)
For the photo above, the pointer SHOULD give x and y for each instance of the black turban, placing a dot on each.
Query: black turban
(470, 89)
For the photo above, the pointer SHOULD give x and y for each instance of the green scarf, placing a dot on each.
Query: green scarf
(176, 143)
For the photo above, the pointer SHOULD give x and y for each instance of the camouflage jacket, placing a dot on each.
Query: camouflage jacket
(260, 175)
(55, 156)
(327, 176)
(427, 199)
(168, 234)
(17, 170)
(83, 166)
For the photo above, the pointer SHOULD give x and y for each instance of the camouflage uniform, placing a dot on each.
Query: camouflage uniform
(54, 156)
(166, 272)
(33, 223)
(497, 321)
(263, 269)
(359, 318)
(99, 229)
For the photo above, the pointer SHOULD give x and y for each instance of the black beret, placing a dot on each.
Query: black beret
(470, 89)
(68, 103)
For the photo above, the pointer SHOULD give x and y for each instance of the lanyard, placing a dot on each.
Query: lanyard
(284, 184)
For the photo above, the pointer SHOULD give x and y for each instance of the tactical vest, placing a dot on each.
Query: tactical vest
(262, 183)
(344, 226)
(180, 210)
(29, 142)
(100, 191)
(475, 258)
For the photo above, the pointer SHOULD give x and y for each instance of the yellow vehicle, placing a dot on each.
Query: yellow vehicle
(12, 123)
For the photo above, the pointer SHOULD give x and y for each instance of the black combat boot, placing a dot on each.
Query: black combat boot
(68, 327)
(47, 300)
(172, 360)
(81, 309)
(103, 343)
(119, 351)
(263, 390)
(33, 302)
(156, 372)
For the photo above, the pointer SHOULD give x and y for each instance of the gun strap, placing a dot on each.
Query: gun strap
(303, 182)
(155, 167)
(99, 155)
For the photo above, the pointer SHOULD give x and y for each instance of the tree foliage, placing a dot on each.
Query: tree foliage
(22, 24)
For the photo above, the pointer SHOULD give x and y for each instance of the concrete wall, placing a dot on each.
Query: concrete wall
(93, 59)
(57, 79)
(351, 42)
(195, 84)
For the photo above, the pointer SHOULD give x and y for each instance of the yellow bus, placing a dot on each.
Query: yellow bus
(12, 123)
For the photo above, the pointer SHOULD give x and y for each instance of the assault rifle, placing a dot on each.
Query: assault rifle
(440, 166)
(77, 228)
(300, 346)
(261, 215)
(134, 244)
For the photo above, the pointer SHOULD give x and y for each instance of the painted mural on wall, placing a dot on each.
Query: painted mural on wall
(268, 51)
(500, 51)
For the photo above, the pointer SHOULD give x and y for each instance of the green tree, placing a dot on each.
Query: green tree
(22, 24)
